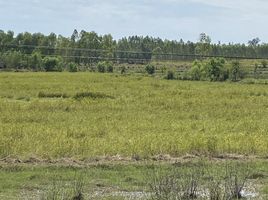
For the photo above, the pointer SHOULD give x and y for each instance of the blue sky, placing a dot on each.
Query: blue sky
(224, 20)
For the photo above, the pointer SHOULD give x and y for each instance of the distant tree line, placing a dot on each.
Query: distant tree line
(52, 52)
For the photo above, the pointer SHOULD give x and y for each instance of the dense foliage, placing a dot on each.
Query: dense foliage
(27, 51)
(212, 69)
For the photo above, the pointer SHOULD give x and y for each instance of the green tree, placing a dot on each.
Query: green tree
(35, 61)
(108, 45)
(156, 54)
(254, 41)
(204, 45)
(235, 71)
(215, 69)
(14, 59)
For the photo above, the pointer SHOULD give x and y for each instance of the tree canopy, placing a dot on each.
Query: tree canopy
(26, 49)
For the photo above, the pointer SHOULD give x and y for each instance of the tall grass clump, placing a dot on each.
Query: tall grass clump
(59, 190)
(196, 181)
(176, 184)
(92, 95)
(52, 95)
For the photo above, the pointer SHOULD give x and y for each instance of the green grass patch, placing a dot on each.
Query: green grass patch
(130, 116)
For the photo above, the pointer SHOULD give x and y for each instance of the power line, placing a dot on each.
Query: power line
(114, 51)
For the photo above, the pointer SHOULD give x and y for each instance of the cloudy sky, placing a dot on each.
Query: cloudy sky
(224, 20)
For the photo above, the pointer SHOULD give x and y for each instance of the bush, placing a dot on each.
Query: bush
(105, 66)
(196, 71)
(123, 70)
(264, 63)
(215, 70)
(110, 68)
(72, 67)
(212, 69)
(52, 64)
(101, 67)
(150, 69)
(163, 69)
(170, 75)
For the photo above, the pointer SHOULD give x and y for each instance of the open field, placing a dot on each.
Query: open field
(126, 134)
(132, 116)
(121, 115)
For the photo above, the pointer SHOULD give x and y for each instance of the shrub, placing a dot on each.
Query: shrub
(60, 66)
(195, 71)
(163, 69)
(170, 75)
(72, 67)
(123, 70)
(101, 67)
(110, 68)
(51, 64)
(150, 69)
(264, 63)
(105, 66)
(215, 70)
